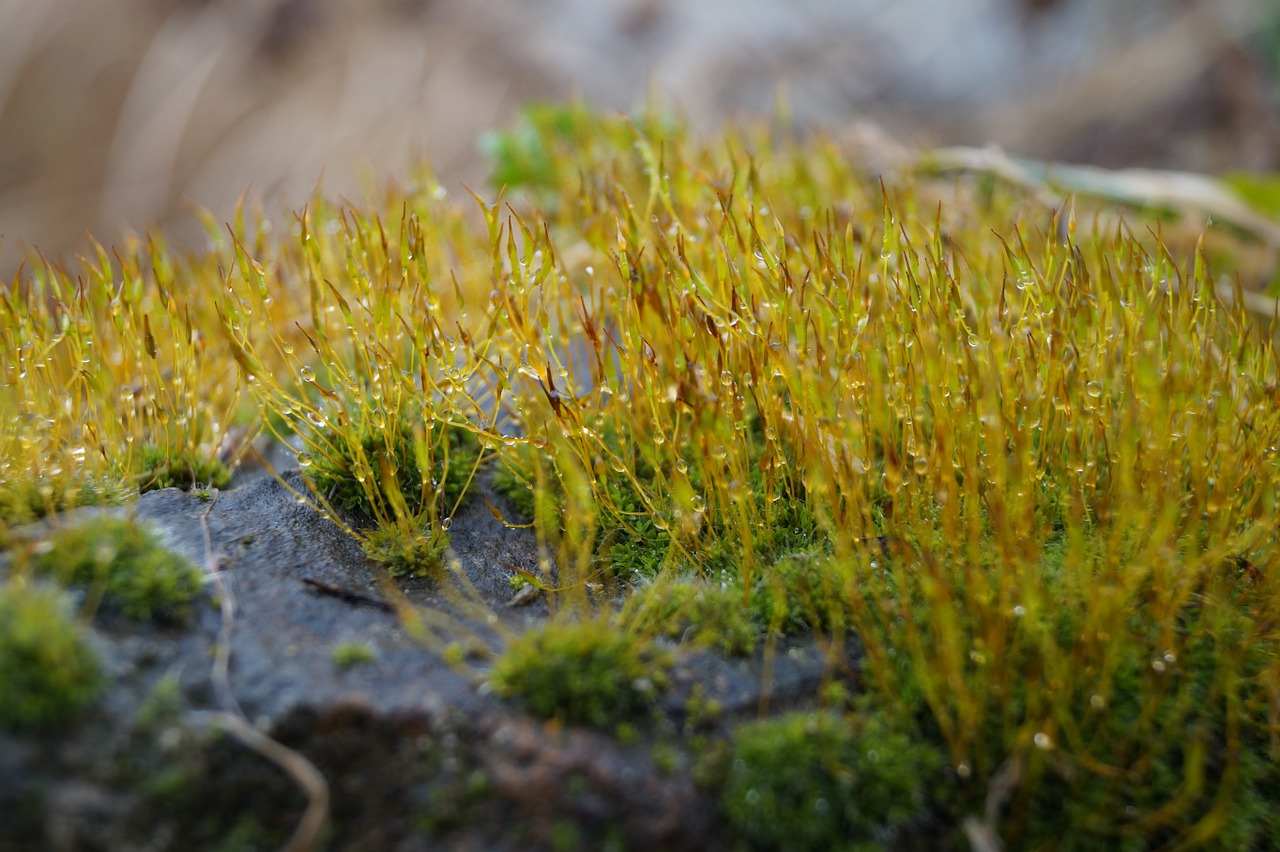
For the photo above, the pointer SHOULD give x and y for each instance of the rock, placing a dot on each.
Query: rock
(417, 753)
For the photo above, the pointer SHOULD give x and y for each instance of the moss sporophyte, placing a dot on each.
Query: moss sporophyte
(1026, 455)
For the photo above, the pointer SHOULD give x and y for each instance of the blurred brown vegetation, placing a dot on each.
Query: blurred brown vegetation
(122, 115)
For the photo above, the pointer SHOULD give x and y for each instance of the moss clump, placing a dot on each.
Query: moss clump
(25, 499)
(351, 654)
(402, 476)
(121, 560)
(531, 156)
(179, 468)
(701, 613)
(405, 549)
(351, 471)
(584, 673)
(48, 669)
(799, 593)
(820, 781)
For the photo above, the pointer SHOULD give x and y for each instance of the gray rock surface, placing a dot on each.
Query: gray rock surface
(416, 753)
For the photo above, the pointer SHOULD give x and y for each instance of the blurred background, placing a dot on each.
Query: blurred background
(119, 116)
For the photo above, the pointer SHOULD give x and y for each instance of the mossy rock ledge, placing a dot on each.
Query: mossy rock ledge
(415, 754)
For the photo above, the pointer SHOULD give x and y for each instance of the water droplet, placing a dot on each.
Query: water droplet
(659, 438)
(308, 374)
(1043, 741)
(921, 465)
(304, 460)
(446, 523)
(1094, 389)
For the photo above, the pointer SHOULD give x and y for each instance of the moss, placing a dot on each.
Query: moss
(743, 360)
(163, 704)
(702, 613)
(25, 499)
(167, 467)
(169, 786)
(247, 835)
(348, 655)
(634, 544)
(666, 757)
(121, 560)
(637, 551)
(1148, 751)
(798, 593)
(701, 712)
(400, 478)
(513, 479)
(455, 798)
(405, 550)
(820, 781)
(583, 673)
(530, 156)
(349, 473)
(49, 671)
(1152, 727)
(566, 836)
